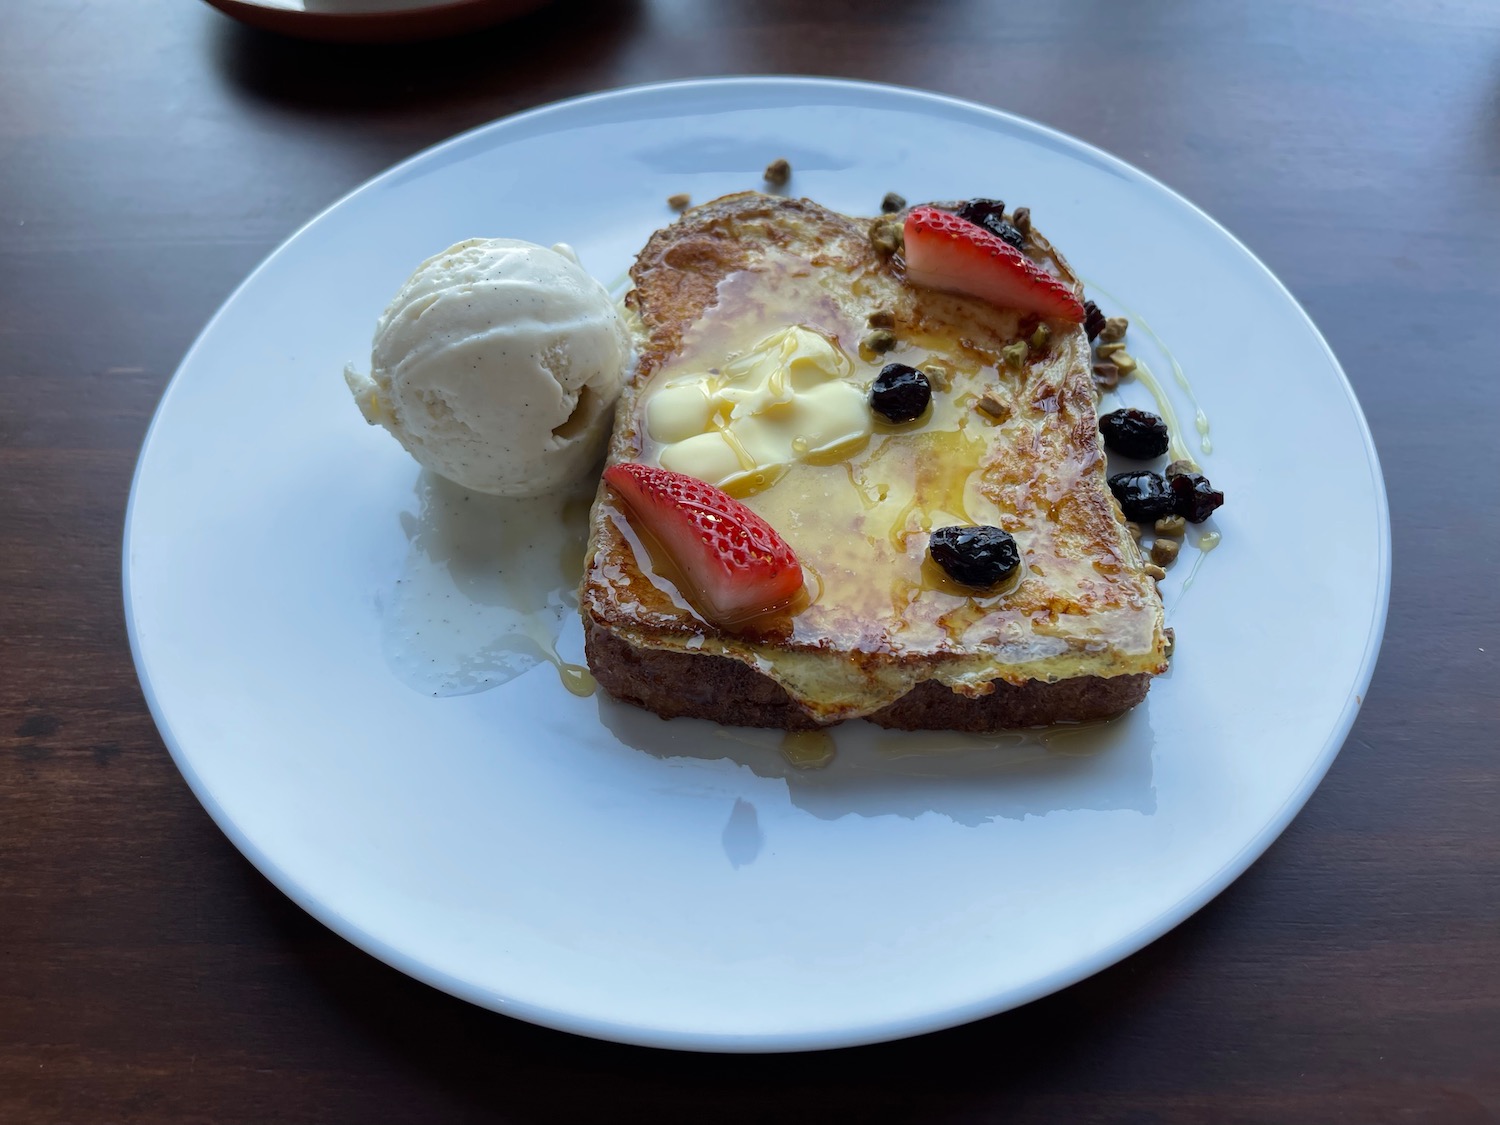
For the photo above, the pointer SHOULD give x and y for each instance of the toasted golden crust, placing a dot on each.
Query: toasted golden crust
(678, 271)
(879, 629)
(724, 690)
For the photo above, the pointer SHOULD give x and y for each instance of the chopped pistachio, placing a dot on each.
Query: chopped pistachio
(1164, 551)
(939, 372)
(1125, 362)
(880, 341)
(1134, 529)
(1155, 571)
(1169, 637)
(778, 172)
(1014, 355)
(892, 203)
(1107, 351)
(881, 318)
(1106, 375)
(1114, 328)
(1040, 337)
(887, 235)
(1171, 525)
(1178, 468)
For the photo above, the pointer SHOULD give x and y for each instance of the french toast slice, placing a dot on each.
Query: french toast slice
(1010, 440)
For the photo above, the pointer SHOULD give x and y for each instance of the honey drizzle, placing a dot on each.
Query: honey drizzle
(860, 525)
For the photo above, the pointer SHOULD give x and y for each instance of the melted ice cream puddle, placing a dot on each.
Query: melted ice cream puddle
(487, 586)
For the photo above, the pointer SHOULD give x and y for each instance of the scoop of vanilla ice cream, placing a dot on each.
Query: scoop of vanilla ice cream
(497, 365)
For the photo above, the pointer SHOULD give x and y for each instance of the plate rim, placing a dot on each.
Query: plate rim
(817, 1039)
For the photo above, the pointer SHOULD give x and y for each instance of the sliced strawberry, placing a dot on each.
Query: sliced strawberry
(736, 564)
(946, 252)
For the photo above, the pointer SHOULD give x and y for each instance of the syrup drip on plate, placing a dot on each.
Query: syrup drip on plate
(488, 586)
(807, 749)
(1139, 326)
(1205, 541)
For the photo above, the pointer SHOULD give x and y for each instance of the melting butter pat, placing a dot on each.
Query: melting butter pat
(788, 399)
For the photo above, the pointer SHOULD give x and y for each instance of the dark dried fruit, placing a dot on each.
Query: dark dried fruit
(990, 214)
(979, 557)
(975, 210)
(900, 393)
(1193, 498)
(1144, 496)
(1134, 433)
(1093, 320)
(892, 203)
(1005, 232)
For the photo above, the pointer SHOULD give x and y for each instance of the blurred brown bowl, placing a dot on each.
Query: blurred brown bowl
(374, 22)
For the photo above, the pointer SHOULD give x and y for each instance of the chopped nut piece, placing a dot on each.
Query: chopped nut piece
(939, 373)
(1178, 468)
(1124, 361)
(1171, 525)
(880, 341)
(1014, 355)
(1107, 351)
(1155, 571)
(881, 318)
(887, 235)
(1114, 328)
(1134, 529)
(992, 406)
(1021, 219)
(1106, 375)
(1169, 636)
(778, 172)
(892, 203)
(1040, 337)
(679, 201)
(1164, 551)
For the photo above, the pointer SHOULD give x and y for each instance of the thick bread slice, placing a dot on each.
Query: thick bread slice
(1077, 636)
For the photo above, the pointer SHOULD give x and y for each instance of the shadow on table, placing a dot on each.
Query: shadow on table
(537, 53)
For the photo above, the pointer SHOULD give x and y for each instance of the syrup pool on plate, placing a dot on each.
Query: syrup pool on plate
(487, 587)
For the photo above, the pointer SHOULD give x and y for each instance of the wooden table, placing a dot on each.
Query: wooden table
(152, 152)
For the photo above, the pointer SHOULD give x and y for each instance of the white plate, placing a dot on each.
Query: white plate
(576, 863)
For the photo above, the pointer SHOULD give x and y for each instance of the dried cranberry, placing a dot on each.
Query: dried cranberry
(980, 557)
(1093, 320)
(1134, 433)
(990, 214)
(1005, 232)
(1193, 498)
(975, 210)
(1144, 496)
(900, 394)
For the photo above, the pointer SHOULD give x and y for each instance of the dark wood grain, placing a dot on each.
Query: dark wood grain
(151, 152)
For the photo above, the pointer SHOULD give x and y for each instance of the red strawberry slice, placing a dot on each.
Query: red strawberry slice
(946, 252)
(736, 564)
